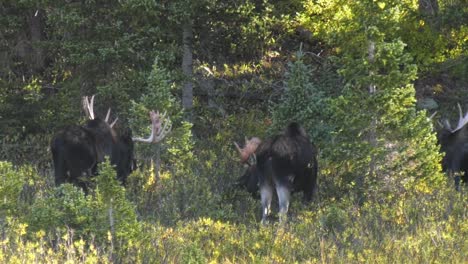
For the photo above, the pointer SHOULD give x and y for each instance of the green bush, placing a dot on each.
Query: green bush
(17, 189)
(105, 214)
(64, 206)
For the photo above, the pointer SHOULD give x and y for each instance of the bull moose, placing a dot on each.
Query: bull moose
(76, 150)
(286, 162)
(454, 143)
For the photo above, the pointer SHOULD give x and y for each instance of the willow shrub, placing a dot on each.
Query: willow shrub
(18, 186)
(104, 215)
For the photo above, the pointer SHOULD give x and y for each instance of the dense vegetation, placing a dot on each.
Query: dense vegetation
(361, 76)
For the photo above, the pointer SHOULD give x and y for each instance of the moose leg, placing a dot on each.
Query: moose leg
(284, 195)
(60, 166)
(310, 184)
(266, 194)
(77, 177)
(60, 171)
(457, 177)
(457, 181)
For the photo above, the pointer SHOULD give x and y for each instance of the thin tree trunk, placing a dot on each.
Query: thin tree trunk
(373, 128)
(187, 66)
(36, 30)
(372, 136)
(157, 161)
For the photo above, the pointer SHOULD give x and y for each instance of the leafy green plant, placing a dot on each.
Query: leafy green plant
(104, 214)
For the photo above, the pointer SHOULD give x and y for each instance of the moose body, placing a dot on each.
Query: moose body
(285, 163)
(74, 155)
(454, 145)
(76, 150)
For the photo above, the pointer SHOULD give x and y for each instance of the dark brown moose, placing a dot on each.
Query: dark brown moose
(286, 162)
(454, 145)
(76, 150)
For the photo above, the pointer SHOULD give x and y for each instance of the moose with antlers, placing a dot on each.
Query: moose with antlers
(454, 143)
(76, 150)
(286, 162)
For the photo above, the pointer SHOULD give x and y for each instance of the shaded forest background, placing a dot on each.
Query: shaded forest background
(361, 76)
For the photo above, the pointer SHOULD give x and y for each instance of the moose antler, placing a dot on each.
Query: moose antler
(249, 149)
(446, 125)
(160, 127)
(88, 106)
(462, 121)
(107, 115)
(113, 123)
(107, 118)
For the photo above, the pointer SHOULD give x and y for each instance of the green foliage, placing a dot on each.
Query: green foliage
(105, 214)
(64, 206)
(25, 246)
(334, 219)
(16, 119)
(30, 150)
(159, 87)
(405, 149)
(431, 39)
(416, 228)
(115, 213)
(170, 177)
(304, 102)
(391, 66)
(198, 217)
(14, 183)
(188, 209)
(380, 140)
(157, 95)
(203, 187)
(354, 127)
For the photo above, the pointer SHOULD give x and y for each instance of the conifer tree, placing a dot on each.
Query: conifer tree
(383, 144)
(303, 101)
(157, 96)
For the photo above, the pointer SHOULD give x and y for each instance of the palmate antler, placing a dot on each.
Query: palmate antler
(160, 127)
(462, 121)
(248, 152)
(88, 107)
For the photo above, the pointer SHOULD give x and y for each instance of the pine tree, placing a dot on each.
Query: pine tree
(383, 144)
(157, 96)
(303, 101)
